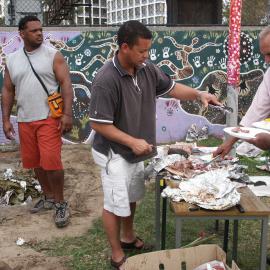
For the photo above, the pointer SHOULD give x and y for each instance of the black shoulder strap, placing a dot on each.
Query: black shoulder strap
(41, 82)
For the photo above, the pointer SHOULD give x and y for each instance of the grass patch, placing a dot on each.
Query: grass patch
(211, 142)
(91, 250)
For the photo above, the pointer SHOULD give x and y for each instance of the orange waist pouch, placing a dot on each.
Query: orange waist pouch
(56, 104)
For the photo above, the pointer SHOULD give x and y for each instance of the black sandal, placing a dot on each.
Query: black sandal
(132, 245)
(117, 265)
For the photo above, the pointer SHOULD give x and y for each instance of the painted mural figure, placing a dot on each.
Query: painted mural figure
(113, 48)
(123, 114)
(182, 54)
(39, 133)
(260, 106)
(61, 45)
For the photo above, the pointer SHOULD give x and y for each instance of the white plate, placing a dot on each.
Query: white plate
(241, 135)
(262, 124)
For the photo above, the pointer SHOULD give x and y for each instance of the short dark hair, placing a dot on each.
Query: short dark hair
(29, 18)
(130, 31)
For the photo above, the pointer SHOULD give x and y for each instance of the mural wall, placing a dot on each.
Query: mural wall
(193, 57)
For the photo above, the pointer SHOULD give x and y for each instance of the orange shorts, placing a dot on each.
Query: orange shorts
(40, 143)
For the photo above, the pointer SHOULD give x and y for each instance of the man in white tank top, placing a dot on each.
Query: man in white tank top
(39, 133)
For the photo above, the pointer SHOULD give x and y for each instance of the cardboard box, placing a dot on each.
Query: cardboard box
(178, 259)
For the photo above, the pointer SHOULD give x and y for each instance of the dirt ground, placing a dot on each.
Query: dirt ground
(84, 194)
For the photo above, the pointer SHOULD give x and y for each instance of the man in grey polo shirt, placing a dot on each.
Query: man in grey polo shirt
(123, 114)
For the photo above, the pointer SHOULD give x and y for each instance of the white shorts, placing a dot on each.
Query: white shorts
(123, 182)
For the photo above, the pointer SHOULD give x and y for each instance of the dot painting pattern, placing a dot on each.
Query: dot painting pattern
(233, 67)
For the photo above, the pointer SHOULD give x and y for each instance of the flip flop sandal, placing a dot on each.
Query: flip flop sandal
(117, 265)
(132, 245)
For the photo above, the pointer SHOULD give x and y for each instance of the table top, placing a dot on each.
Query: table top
(252, 205)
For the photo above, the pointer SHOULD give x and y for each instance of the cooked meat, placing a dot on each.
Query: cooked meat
(240, 130)
(181, 148)
(182, 165)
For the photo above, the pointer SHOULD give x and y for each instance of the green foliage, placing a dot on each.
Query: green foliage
(251, 164)
(266, 153)
(250, 14)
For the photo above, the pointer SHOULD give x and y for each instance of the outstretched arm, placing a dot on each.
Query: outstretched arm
(225, 147)
(183, 92)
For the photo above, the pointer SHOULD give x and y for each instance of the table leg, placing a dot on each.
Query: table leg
(163, 223)
(226, 235)
(216, 225)
(178, 231)
(157, 214)
(235, 240)
(264, 243)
